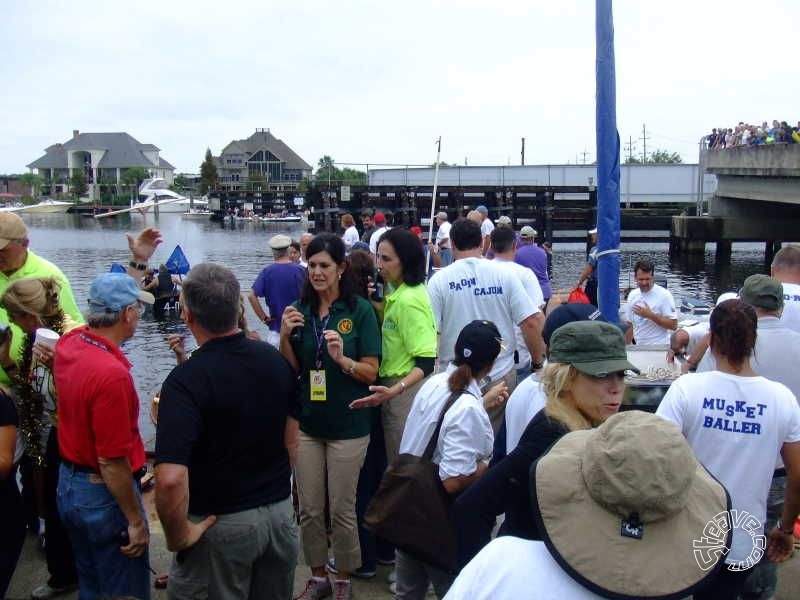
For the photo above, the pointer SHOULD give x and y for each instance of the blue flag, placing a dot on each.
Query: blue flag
(117, 268)
(177, 263)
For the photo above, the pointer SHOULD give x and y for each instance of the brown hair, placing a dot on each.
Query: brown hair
(460, 379)
(347, 220)
(733, 326)
(35, 296)
(361, 267)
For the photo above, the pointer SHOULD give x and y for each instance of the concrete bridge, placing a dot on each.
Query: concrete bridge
(757, 199)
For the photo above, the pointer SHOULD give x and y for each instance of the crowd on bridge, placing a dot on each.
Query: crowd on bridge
(374, 374)
(746, 135)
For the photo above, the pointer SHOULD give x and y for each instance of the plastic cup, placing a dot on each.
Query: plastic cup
(48, 337)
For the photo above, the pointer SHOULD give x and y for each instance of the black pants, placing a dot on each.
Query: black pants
(12, 529)
(58, 550)
(727, 585)
(591, 291)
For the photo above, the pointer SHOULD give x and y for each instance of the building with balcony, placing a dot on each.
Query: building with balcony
(260, 161)
(103, 158)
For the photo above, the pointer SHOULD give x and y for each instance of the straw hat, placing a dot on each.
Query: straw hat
(620, 507)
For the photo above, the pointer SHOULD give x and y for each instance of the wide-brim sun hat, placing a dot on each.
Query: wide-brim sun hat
(626, 509)
(593, 347)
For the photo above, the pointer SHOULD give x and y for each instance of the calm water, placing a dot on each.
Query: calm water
(83, 247)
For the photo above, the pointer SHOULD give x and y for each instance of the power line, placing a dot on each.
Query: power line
(644, 139)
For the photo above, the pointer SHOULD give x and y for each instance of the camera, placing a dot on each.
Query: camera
(5, 332)
(377, 295)
(296, 334)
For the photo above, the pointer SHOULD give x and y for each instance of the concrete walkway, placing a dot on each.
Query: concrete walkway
(32, 570)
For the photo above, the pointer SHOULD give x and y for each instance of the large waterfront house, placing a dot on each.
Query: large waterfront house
(103, 158)
(260, 158)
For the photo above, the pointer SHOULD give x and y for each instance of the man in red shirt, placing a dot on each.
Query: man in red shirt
(98, 437)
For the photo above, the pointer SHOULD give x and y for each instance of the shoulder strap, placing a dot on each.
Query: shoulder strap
(428, 454)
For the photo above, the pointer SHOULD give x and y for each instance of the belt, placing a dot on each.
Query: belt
(137, 474)
(78, 468)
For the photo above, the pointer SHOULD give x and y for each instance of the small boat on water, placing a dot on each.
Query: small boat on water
(286, 219)
(46, 206)
(197, 213)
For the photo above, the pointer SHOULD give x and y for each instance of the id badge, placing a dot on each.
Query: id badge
(317, 386)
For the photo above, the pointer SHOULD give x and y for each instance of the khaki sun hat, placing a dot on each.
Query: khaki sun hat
(11, 228)
(593, 347)
(527, 232)
(620, 508)
(280, 241)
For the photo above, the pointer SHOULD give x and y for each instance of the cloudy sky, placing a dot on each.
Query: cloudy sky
(378, 82)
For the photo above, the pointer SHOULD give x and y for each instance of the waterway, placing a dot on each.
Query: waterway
(83, 247)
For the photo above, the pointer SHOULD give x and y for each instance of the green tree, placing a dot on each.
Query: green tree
(77, 183)
(208, 173)
(133, 178)
(328, 172)
(441, 164)
(665, 156)
(180, 183)
(33, 181)
(657, 157)
(108, 187)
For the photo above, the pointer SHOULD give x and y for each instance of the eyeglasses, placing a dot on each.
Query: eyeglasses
(138, 307)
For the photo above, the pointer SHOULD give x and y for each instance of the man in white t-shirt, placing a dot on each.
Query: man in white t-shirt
(486, 227)
(474, 288)
(786, 269)
(651, 308)
(443, 246)
(380, 222)
(504, 247)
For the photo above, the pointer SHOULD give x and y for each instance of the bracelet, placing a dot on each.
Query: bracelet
(535, 366)
(138, 266)
(779, 525)
(352, 368)
(402, 386)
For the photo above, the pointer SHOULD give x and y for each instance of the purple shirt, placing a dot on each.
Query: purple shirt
(535, 258)
(279, 284)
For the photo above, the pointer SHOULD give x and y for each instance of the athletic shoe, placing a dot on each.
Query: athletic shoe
(341, 589)
(316, 589)
(43, 592)
(359, 573)
(386, 562)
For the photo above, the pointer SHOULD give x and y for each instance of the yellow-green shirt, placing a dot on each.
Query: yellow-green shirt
(36, 267)
(408, 330)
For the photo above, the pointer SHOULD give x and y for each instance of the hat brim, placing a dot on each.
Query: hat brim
(584, 538)
(601, 368)
(146, 297)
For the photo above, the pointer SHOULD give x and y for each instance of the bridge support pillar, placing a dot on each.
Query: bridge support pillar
(724, 248)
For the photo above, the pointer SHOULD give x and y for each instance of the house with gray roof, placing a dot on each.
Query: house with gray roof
(265, 156)
(103, 158)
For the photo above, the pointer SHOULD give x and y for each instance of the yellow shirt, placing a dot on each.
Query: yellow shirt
(408, 330)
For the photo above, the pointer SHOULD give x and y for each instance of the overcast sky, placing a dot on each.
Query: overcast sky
(378, 82)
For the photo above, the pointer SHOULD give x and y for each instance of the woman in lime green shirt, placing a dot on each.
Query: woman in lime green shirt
(408, 332)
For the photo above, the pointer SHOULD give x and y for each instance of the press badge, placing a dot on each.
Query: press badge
(317, 386)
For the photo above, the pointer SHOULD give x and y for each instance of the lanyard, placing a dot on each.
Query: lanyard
(319, 336)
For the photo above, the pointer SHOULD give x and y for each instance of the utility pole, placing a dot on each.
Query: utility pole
(585, 152)
(644, 139)
(630, 148)
(522, 154)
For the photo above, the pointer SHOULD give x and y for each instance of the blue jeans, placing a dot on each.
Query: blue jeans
(446, 256)
(94, 523)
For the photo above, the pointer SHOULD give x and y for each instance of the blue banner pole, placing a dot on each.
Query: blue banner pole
(608, 210)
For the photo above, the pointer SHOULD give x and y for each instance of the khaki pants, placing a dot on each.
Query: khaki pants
(337, 462)
(394, 414)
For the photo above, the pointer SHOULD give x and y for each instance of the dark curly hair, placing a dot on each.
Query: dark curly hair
(733, 331)
(409, 251)
(333, 245)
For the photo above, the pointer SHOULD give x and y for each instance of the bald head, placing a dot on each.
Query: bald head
(786, 264)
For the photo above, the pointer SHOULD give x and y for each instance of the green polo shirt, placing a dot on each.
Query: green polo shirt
(36, 267)
(408, 330)
(333, 419)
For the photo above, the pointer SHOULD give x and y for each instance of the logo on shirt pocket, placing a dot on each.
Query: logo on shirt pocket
(345, 326)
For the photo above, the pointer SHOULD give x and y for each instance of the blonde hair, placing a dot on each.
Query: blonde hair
(554, 379)
(35, 296)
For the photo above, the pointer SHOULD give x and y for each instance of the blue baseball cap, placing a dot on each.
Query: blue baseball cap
(482, 209)
(111, 292)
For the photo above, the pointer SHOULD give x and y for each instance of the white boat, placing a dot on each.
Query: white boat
(156, 190)
(197, 213)
(289, 219)
(47, 206)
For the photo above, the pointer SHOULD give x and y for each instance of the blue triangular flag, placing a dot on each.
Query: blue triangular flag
(117, 268)
(177, 263)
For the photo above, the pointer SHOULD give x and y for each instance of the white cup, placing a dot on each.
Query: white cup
(48, 337)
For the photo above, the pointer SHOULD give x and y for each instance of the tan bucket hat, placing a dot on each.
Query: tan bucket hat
(620, 507)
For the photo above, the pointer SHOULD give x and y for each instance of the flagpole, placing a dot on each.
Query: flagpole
(433, 197)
